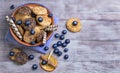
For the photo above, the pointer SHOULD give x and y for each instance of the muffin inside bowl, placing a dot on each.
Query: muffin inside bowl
(31, 21)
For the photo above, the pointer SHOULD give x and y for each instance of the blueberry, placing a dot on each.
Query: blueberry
(64, 44)
(31, 57)
(40, 19)
(59, 53)
(59, 43)
(33, 42)
(50, 15)
(56, 51)
(64, 32)
(46, 48)
(54, 46)
(19, 22)
(42, 45)
(13, 19)
(56, 35)
(12, 7)
(32, 31)
(44, 62)
(75, 23)
(11, 53)
(66, 50)
(62, 37)
(33, 15)
(66, 56)
(35, 66)
(67, 41)
(27, 22)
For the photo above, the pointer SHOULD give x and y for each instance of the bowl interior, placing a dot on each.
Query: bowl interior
(30, 5)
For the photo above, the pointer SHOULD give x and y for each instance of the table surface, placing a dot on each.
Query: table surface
(95, 49)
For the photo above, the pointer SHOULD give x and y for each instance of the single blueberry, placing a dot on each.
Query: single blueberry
(42, 45)
(56, 35)
(19, 22)
(64, 44)
(62, 37)
(44, 62)
(54, 46)
(40, 19)
(64, 32)
(59, 53)
(50, 15)
(32, 31)
(33, 42)
(66, 50)
(46, 48)
(35, 66)
(31, 57)
(66, 56)
(33, 15)
(12, 7)
(27, 22)
(13, 19)
(67, 41)
(11, 53)
(56, 51)
(59, 43)
(75, 23)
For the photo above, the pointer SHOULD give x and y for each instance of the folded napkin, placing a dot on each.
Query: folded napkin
(40, 48)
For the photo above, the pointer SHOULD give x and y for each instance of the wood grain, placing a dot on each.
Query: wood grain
(96, 49)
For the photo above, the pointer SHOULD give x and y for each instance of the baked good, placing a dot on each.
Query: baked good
(21, 58)
(24, 10)
(21, 30)
(43, 20)
(73, 25)
(51, 63)
(29, 24)
(15, 50)
(22, 18)
(40, 36)
(28, 38)
(39, 10)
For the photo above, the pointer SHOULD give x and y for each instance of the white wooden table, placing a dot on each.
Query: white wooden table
(96, 49)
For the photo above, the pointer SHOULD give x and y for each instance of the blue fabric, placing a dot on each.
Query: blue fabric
(40, 48)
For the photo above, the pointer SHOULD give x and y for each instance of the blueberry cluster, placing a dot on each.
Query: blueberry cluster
(62, 44)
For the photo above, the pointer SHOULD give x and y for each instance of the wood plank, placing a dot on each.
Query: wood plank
(93, 50)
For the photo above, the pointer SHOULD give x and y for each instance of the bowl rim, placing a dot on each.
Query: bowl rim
(22, 42)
